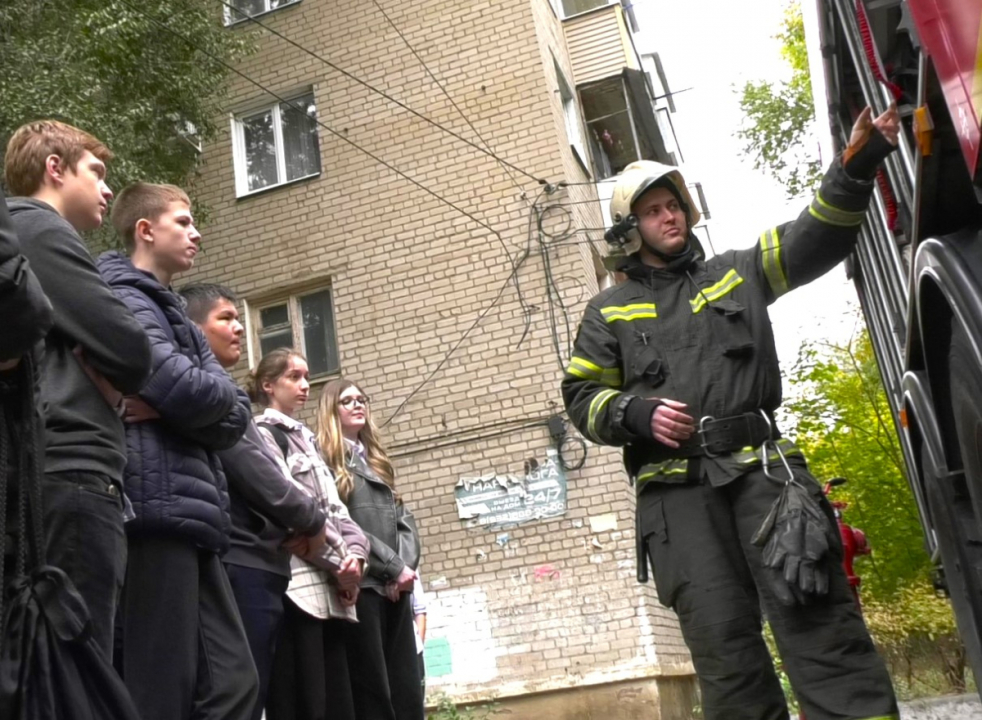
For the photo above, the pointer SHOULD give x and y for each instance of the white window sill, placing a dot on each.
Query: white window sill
(271, 188)
(235, 23)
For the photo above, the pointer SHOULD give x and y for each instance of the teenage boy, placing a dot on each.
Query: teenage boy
(269, 512)
(185, 653)
(95, 351)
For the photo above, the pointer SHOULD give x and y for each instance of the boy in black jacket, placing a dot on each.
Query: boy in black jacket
(185, 654)
(95, 351)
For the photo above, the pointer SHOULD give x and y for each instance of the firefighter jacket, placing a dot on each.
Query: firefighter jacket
(701, 336)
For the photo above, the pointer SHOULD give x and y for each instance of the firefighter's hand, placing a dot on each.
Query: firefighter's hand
(870, 142)
(889, 124)
(669, 425)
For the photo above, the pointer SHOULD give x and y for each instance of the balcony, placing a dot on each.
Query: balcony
(614, 92)
(599, 44)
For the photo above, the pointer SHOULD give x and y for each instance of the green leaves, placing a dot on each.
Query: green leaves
(845, 427)
(114, 72)
(779, 117)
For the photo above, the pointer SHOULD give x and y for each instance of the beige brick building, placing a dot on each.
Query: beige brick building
(379, 280)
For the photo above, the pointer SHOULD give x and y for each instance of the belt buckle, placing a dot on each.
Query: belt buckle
(702, 436)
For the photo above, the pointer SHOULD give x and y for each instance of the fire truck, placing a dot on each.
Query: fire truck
(918, 265)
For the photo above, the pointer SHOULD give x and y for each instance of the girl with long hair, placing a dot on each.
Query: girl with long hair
(382, 645)
(310, 677)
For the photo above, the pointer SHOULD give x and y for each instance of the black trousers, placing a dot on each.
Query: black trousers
(83, 527)
(310, 678)
(185, 654)
(708, 571)
(259, 596)
(383, 661)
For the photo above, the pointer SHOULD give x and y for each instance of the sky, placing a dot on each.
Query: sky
(714, 47)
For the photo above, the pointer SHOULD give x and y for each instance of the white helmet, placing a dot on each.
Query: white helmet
(636, 179)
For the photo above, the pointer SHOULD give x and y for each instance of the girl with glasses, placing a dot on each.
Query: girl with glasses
(382, 646)
(310, 678)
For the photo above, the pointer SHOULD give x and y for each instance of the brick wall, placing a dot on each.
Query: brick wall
(410, 274)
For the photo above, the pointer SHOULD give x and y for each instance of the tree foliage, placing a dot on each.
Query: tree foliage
(845, 427)
(111, 70)
(779, 116)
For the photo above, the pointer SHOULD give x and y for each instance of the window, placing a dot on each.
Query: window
(276, 145)
(571, 113)
(243, 9)
(304, 321)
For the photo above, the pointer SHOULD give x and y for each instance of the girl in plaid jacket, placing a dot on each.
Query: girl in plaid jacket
(310, 679)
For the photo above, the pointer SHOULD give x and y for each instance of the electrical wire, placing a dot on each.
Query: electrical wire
(505, 165)
(477, 321)
(428, 444)
(457, 443)
(553, 295)
(516, 264)
(303, 112)
(384, 94)
(569, 438)
(456, 107)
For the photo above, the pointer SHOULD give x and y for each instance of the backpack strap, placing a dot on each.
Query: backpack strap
(279, 435)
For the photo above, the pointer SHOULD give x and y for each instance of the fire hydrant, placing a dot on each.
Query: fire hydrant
(853, 539)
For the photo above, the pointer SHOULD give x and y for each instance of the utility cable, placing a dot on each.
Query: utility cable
(456, 107)
(516, 265)
(504, 164)
(460, 341)
(384, 94)
(324, 125)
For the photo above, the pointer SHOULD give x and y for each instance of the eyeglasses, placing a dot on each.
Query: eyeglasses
(352, 399)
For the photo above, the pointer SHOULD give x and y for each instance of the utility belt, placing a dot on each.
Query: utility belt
(722, 436)
(740, 435)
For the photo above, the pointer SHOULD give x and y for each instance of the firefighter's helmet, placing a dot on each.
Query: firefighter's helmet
(636, 179)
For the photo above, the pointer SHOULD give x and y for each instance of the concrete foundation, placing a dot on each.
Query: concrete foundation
(656, 698)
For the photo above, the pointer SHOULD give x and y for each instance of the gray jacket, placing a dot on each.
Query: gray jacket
(390, 526)
(266, 506)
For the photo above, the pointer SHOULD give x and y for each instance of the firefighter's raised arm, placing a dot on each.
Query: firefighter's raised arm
(794, 254)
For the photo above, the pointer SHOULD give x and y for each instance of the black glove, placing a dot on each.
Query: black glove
(796, 542)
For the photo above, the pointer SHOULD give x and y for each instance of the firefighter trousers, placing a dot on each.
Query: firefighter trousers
(698, 541)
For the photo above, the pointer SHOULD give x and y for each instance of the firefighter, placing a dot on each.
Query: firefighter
(677, 365)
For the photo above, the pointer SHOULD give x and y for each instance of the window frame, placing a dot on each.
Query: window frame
(561, 11)
(291, 298)
(572, 115)
(240, 160)
(229, 22)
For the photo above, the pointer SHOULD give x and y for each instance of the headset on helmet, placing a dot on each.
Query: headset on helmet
(633, 182)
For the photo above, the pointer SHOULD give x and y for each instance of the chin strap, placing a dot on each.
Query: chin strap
(681, 260)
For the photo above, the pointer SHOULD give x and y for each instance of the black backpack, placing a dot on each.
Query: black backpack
(279, 435)
(50, 665)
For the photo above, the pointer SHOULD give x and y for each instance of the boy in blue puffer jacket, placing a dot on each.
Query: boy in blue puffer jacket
(185, 653)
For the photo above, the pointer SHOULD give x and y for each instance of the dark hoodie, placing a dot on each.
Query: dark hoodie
(26, 311)
(82, 431)
(174, 478)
